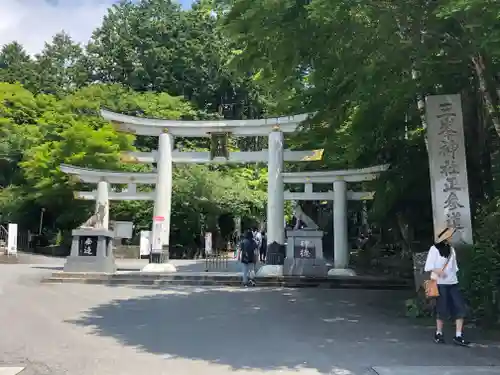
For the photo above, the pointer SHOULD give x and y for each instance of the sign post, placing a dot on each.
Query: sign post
(208, 243)
(157, 239)
(145, 243)
(12, 239)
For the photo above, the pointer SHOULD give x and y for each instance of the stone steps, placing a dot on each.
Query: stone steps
(207, 279)
(437, 370)
(10, 370)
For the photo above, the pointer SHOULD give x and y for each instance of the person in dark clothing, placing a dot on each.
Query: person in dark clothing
(263, 247)
(247, 258)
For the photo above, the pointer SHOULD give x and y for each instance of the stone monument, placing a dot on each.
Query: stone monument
(304, 251)
(92, 245)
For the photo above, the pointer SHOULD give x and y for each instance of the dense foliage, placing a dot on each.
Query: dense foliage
(362, 67)
(171, 67)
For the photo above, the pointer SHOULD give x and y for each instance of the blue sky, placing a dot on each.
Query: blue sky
(33, 22)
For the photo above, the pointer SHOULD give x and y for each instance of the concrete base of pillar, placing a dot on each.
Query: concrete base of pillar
(275, 254)
(305, 267)
(345, 272)
(270, 270)
(159, 268)
(161, 256)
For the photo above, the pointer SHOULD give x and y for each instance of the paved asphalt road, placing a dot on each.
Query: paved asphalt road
(94, 329)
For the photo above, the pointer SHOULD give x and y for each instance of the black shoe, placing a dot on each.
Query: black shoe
(439, 338)
(459, 340)
(251, 283)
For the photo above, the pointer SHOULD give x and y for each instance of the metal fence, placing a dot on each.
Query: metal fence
(3, 239)
(419, 274)
(218, 260)
(23, 240)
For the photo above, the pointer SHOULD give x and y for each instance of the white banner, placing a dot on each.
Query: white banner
(123, 229)
(157, 235)
(447, 164)
(208, 243)
(145, 243)
(12, 239)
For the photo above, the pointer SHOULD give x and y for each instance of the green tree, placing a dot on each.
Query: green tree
(61, 66)
(154, 45)
(19, 113)
(17, 66)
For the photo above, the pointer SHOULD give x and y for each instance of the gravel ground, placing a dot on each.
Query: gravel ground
(94, 329)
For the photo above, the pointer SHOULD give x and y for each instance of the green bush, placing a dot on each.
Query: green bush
(480, 266)
(419, 306)
(479, 279)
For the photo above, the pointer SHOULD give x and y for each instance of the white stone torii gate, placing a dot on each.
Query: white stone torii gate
(339, 195)
(166, 130)
(337, 178)
(274, 128)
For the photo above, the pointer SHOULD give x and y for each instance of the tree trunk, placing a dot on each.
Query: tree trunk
(405, 233)
(485, 140)
(480, 68)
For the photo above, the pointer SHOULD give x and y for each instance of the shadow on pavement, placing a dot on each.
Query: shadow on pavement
(332, 332)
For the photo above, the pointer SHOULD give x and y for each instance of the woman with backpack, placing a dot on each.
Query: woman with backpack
(247, 257)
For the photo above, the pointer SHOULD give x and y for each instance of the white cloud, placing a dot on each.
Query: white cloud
(34, 22)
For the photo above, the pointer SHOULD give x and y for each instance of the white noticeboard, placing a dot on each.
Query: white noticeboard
(208, 243)
(123, 229)
(12, 239)
(145, 243)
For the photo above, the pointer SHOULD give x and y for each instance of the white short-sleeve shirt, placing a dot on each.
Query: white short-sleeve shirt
(436, 261)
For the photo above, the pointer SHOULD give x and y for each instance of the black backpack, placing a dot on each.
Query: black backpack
(248, 251)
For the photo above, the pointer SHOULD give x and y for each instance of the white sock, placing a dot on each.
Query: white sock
(458, 334)
(438, 332)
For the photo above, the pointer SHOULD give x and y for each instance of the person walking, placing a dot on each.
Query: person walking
(247, 258)
(263, 246)
(442, 263)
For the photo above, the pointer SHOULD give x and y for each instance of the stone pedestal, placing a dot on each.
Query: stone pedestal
(91, 251)
(304, 254)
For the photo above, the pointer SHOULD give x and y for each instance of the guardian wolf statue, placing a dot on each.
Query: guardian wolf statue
(96, 221)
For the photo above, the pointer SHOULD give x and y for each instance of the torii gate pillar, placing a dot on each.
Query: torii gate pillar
(163, 206)
(276, 201)
(340, 244)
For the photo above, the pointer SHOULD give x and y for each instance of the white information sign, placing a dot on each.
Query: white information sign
(123, 229)
(447, 164)
(145, 243)
(157, 234)
(12, 239)
(208, 243)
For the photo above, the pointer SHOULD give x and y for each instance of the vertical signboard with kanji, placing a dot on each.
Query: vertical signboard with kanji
(87, 246)
(157, 234)
(447, 164)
